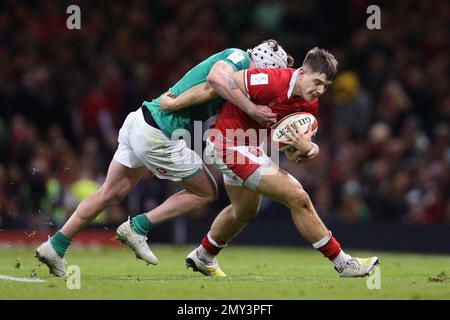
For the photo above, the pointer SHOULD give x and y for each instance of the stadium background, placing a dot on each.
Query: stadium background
(381, 181)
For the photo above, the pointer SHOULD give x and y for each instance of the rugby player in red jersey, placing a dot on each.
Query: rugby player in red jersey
(233, 148)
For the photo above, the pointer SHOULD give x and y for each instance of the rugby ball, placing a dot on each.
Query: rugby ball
(303, 119)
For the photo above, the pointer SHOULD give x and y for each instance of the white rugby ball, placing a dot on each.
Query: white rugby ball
(303, 119)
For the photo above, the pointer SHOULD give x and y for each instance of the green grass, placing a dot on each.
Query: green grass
(255, 273)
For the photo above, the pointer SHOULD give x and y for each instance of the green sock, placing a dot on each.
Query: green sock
(141, 224)
(60, 243)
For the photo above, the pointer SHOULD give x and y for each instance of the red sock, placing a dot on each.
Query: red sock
(212, 246)
(331, 249)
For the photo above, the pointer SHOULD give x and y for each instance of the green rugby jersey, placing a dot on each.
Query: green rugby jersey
(184, 118)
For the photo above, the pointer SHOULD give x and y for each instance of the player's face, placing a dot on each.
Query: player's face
(312, 84)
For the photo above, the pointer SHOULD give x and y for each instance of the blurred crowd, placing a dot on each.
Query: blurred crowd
(384, 127)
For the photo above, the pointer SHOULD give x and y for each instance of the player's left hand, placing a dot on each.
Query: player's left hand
(300, 141)
(297, 156)
(293, 155)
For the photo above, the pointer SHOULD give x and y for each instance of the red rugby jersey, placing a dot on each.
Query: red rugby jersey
(270, 87)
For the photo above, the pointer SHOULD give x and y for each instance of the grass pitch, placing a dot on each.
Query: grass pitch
(254, 273)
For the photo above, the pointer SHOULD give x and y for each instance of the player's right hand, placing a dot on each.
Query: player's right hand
(263, 115)
(167, 102)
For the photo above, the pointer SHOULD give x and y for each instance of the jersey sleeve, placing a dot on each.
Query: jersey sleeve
(262, 85)
(237, 59)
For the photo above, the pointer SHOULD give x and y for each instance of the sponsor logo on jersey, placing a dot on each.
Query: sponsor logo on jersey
(236, 57)
(259, 79)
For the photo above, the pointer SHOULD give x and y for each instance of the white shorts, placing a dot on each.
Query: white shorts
(240, 165)
(143, 145)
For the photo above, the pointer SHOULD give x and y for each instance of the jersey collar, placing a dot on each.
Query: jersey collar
(292, 83)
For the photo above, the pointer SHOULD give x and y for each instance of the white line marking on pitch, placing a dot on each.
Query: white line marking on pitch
(3, 277)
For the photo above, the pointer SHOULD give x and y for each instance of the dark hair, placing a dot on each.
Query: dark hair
(321, 61)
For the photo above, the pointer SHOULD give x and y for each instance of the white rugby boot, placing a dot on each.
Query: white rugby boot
(210, 270)
(46, 254)
(358, 267)
(136, 241)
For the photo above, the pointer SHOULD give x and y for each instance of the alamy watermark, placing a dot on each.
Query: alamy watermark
(374, 280)
(235, 147)
(74, 20)
(73, 280)
(374, 20)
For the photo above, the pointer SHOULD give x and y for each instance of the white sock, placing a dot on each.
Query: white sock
(204, 255)
(322, 242)
(340, 260)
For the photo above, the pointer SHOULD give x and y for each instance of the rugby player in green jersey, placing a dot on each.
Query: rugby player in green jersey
(146, 142)
(249, 174)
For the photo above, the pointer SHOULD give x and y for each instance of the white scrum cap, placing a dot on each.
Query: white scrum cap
(269, 54)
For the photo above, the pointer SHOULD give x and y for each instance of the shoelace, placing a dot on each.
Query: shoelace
(353, 263)
(208, 263)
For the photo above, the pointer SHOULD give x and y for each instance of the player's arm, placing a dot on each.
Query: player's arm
(222, 80)
(198, 94)
(230, 85)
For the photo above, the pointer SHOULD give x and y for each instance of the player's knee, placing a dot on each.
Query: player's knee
(299, 199)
